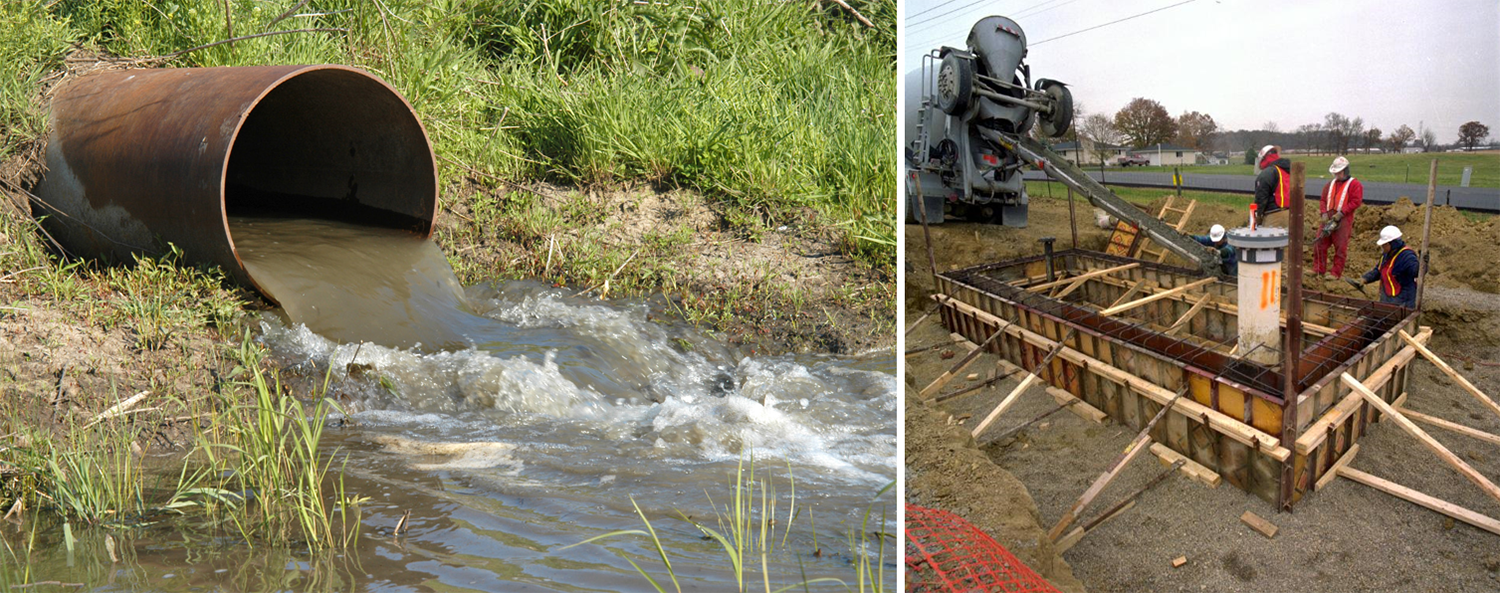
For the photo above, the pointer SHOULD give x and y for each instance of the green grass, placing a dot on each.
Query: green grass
(766, 107)
(1139, 195)
(1394, 168)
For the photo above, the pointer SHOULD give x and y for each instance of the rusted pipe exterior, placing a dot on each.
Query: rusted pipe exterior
(140, 158)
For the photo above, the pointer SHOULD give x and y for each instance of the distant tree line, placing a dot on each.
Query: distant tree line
(1145, 122)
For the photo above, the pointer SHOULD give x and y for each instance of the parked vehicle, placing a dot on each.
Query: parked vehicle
(1130, 159)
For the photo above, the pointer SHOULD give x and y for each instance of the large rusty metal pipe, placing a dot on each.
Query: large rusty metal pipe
(140, 158)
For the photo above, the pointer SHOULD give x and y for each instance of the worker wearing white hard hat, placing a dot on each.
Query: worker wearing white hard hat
(1341, 197)
(1273, 185)
(1397, 270)
(1228, 263)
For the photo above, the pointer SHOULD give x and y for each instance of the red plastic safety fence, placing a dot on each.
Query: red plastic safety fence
(946, 553)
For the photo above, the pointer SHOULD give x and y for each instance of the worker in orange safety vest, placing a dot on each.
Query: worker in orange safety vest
(1341, 197)
(1273, 184)
(1396, 272)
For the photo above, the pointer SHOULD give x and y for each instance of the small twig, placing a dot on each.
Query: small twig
(605, 286)
(856, 13)
(180, 53)
(551, 240)
(118, 409)
(9, 277)
(289, 12)
(228, 23)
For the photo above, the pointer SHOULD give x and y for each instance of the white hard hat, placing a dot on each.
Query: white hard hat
(1265, 150)
(1388, 234)
(1339, 164)
(1216, 233)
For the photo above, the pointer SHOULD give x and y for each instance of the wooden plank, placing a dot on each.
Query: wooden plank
(1186, 317)
(1333, 472)
(1114, 310)
(1448, 370)
(1131, 450)
(1230, 308)
(1135, 288)
(1255, 522)
(1016, 393)
(1453, 426)
(1413, 496)
(1179, 561)
(1442, 452)
(1068, 541)
(1082, 408)
(1004, 405)
(1084, 277)
(1191, 468)
(1219, 421)
(1315, 432)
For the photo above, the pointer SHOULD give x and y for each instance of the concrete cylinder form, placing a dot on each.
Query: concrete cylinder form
(140, 158)
(1260, 252)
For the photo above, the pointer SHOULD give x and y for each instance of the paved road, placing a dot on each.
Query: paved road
(1480, 199)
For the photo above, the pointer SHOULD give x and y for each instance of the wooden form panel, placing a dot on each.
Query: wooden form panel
(1252, 464)
(1249, 463)
(1341, 427)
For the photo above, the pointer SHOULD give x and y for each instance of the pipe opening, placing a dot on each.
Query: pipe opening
(336, 144)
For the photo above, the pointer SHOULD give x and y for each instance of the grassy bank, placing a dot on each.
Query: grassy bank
(1391, 168)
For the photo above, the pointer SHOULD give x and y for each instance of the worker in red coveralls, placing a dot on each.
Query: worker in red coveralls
(1341, 197)
(1273, 184)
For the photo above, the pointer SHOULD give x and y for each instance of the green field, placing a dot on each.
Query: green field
(1394, 168)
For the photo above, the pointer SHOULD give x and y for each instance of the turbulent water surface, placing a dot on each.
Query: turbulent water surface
(514, 419)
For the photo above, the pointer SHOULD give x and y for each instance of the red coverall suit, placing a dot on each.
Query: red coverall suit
(1338, 196)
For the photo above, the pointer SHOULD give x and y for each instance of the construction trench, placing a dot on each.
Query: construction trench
(1136, 333)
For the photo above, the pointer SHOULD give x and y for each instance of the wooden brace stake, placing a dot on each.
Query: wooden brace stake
(1025, 383)
(1443, 366)
(943, 379)
(1418, 498)
(1431, 443)
(1131, 450)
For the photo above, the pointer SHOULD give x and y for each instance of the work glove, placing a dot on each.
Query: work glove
(1355, 283)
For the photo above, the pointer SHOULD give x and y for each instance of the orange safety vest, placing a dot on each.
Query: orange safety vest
(1283, 186)
(1388, 282)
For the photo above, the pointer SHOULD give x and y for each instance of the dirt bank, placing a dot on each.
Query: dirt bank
(945, 470)
(1345, 538)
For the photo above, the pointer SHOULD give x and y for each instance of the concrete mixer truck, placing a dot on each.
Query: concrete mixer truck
(972, 122)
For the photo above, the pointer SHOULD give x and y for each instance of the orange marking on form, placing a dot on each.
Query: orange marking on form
(1265, 281)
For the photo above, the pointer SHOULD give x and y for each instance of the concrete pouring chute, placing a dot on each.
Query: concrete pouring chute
(137, 159)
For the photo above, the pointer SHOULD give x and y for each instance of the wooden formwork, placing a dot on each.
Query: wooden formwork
(1129, 364)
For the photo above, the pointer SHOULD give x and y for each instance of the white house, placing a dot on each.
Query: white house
(1167, 154)
(1086, 154)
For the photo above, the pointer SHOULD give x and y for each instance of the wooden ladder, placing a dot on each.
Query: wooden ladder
(1159, 254)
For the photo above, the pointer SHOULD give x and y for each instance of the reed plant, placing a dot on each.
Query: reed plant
(744, 529)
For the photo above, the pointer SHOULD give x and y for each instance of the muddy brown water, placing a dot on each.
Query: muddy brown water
(513, 419)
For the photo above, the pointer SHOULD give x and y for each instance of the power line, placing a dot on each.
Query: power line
(1113, 22)
(930, 9)
(936, 17)
(1023, 11)
(1050, 8)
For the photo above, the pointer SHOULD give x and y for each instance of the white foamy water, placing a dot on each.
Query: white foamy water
(579, 385)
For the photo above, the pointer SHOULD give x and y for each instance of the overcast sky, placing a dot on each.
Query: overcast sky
(1247, 62)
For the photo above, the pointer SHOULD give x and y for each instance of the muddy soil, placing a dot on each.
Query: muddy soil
(1346, 538)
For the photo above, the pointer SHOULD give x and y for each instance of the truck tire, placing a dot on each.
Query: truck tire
(955, 84)
(1056, 123)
